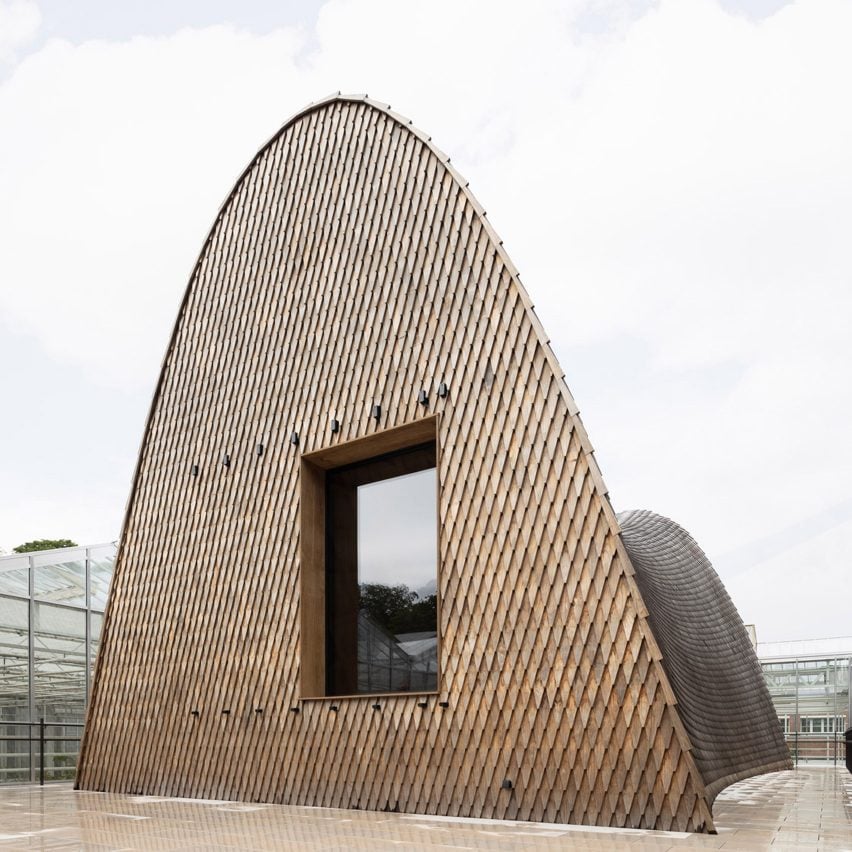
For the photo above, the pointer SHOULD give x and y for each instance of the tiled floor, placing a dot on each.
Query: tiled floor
(810, 808)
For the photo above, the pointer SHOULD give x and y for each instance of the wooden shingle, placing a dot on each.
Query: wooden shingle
(349, 267)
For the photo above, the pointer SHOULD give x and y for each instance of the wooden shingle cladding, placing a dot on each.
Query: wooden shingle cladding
(350, 267)
(722, 695)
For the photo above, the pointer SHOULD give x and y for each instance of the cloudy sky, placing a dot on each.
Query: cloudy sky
(673, 180)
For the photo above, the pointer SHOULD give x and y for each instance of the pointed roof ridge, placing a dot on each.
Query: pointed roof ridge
(464, 184)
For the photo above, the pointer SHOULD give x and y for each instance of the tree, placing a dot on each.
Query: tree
(398, 609)
(44, 544)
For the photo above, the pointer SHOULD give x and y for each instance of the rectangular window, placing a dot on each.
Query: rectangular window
(369, 525)
(822, 724)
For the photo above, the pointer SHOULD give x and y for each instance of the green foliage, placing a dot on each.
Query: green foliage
(44, 544)
(398, 609)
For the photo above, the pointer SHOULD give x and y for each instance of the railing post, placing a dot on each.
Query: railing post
(41, 751)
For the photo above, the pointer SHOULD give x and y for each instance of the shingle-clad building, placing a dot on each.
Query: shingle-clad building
(706, 653)
(369, 559)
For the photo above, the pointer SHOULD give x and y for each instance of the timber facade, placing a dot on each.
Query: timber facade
(353, 317)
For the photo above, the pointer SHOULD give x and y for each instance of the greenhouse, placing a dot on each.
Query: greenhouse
(51, 611)
(809, 684)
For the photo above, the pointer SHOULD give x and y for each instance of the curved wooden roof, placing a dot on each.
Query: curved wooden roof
(351, 266)
(721, 693)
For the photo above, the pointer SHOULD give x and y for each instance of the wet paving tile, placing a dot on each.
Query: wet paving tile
(809, 808)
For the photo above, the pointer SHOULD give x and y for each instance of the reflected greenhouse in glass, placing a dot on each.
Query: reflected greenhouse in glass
(51, 612)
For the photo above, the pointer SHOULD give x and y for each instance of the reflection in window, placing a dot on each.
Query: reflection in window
(382, 618)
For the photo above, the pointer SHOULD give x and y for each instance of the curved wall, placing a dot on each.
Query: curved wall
(721, 694)
(349, 267)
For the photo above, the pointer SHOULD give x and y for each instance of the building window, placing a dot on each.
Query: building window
(370, 565)
(822, 724)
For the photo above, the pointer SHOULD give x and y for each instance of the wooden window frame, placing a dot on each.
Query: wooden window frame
(312, 526)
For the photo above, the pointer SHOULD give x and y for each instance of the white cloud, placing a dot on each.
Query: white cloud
(673, 181)
(19, 22)
(122, 154)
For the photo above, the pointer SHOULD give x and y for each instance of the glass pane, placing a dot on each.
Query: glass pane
(14, 690)
(101, 564)
(14, 575)
(811, 694)
(381, 574)
(61, 750)
(56, 621)
(95, 627)
(397, 582)
(97, 623)
(59, 683)
(60, 577)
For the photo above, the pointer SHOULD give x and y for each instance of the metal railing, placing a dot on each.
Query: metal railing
(42, 739)
(822, 748)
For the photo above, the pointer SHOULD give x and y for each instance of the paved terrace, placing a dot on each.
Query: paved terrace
(810, 808)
